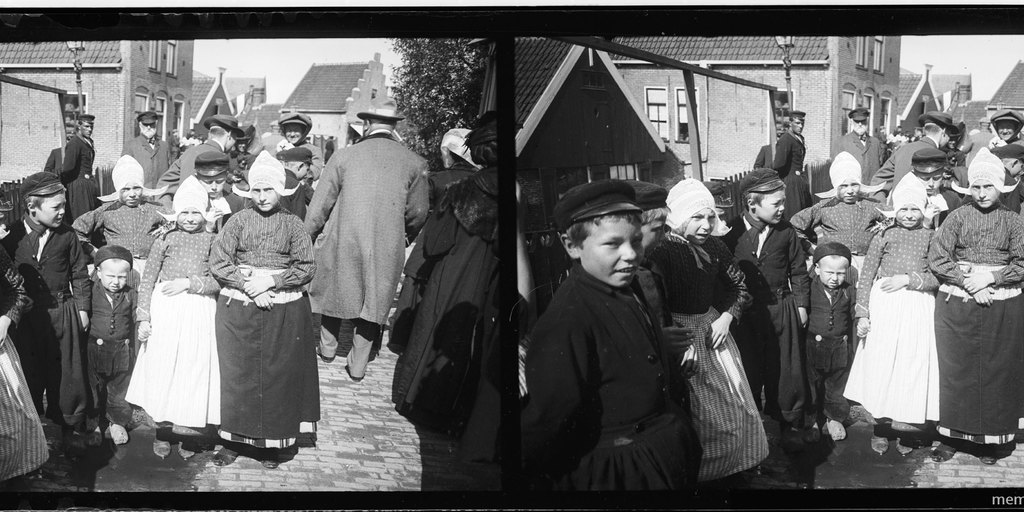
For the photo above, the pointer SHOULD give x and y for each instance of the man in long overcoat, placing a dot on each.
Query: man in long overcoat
(372, 199)
(76, 171)
(152, 153)
(936, 125)
(790, 151)
(223, 132)
(865, 148)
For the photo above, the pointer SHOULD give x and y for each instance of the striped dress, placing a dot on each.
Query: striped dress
(269, 384)
(22, 444)
(722, 405)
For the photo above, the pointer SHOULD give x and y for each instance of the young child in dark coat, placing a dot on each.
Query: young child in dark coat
(297, 164)
(770, 335)
(110, 339)
(830, 332)
(599, 415)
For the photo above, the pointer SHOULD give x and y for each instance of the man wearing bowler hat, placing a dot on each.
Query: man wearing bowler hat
(147, 149)
(76, 172)
(381, 207)
(790, 151)
(862, 146)
(935, 126)
(223, 132)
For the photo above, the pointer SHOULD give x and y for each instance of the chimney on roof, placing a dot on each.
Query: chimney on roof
(927, 70)
(376, 57)
(220, 72)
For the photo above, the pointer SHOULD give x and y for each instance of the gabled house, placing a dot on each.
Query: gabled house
(120, 79)
(332, 94)
(917, 96)
(209, 97)
(951, 89)
(262, 116)
(1011, 93)
(577, 122)
(246, 92)
(830, 76)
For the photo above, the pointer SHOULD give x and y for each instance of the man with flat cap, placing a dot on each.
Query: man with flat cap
(223, 132)
(865, 148)
(212, 172)
(76, 172)
(372, 199)
(295, 128)
(935, 126)
(790, 151)
(931, 166)
(152, 153)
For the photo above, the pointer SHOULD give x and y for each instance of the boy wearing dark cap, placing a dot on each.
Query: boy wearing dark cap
(651, 200)
(297, 163)
(830, 330)
(931, 167)
(770, 335)
(110, 340)
(212, 173)
(599, 415)
(50, 258)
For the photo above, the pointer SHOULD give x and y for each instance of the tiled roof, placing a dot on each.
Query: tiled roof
(239, 86)
(1011, 93)
(537, 59)
(262, 116)
(743, 48)
(201, 85)
(56, 52)
(969, 112)
(326, 87)
(908, 83)
(942, 84)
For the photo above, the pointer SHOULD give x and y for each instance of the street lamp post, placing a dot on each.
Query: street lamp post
(76, 47)
(786, 43)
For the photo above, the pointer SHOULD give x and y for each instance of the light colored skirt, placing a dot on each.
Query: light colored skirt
(724, 412)
(22, 443)
(177, 374)
(896, 371)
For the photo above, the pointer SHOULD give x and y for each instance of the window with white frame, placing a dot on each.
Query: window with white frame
(849, 101)
(172, 57)
(161, 110)
(154, 55)
(879, 64)
(623, 172)
(179, 109)
(657, 109)
(683, 116)
(782, 104)
(869, 103)
(884, 113)
(862, 51)
(141, 103)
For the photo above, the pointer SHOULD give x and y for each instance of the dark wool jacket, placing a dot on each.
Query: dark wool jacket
(112, 322)
(780, 268)
(62, 262)
(832, 318)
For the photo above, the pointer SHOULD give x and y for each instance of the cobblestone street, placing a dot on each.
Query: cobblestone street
(362, 445)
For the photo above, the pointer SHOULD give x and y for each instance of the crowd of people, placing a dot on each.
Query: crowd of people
(678, 333)
(190, 295)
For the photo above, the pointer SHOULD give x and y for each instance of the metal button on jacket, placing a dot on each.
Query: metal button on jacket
(99, 342)
(652, 359)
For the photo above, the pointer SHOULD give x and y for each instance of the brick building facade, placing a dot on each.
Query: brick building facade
(118, 79)
(830, 76)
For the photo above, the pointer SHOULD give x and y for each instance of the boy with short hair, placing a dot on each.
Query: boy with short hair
(110, 339)
(930, 166)
(651, 200)
(597, 368)
(830, 330)
(50, 258)
(212, 173)
(770, 335)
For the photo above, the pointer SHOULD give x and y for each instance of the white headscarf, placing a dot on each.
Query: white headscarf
(190, 195)
(910, 191)
(845, 167)
(266, 170)
(685, 199)
(128, 171)
(454, 143)
(985, 167)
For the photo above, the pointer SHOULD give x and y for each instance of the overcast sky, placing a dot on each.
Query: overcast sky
(988, 59)
(285, 61)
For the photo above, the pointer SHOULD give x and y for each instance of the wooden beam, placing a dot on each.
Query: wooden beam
(691, 111)
(628, 51)
(31, 85)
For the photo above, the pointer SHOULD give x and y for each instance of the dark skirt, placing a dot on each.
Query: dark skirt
(664, 455)
(268, 371)
(981, 361)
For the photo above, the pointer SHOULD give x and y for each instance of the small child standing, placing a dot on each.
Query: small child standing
(177, 377)
(830, 330)
(49, 256)
(770, 335)
(599, 415)
(126, 217)
(845, 216)
(110, 340)
(895, 373)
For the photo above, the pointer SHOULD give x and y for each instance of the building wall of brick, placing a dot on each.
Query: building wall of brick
(27, 140)
(157, 83)
(865, 81)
